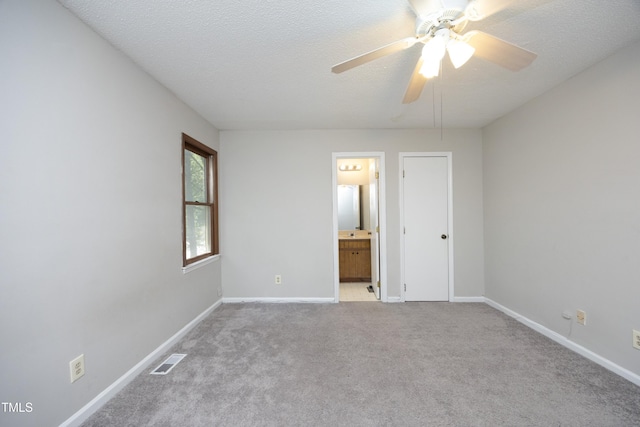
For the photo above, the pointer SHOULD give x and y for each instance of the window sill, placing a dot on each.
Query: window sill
(200, 263)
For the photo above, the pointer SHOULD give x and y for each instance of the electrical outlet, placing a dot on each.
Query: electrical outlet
(278, 279)
(76, 367)
(636, 339)
(581, 317)
(219, 291)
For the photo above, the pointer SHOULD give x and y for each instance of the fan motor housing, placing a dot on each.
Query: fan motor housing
(444, 18)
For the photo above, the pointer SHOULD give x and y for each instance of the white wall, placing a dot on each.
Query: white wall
(562, 208)
(90, 222)
(277, 207)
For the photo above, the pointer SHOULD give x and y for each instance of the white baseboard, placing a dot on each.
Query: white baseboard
(606, 363)
(468, 299)
(87, 410)
(279, 300)
(394, 299)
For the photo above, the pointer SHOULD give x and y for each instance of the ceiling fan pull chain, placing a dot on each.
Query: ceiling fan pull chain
(433, 102)
(441, 118)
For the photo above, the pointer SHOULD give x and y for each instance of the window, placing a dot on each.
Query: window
(200, 201)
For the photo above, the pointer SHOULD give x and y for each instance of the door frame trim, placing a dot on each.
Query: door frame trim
(382, 218)
(449, 156)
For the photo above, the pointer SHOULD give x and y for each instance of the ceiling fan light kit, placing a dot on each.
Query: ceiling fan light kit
(439, 26)
(459, 52)
(432, 53)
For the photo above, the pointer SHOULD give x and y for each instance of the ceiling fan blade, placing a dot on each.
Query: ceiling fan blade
(423, 8)
(498, 51)
(416, 84)
(480, 9)
(375, 54)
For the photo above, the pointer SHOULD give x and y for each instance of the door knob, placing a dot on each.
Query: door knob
(443, 237)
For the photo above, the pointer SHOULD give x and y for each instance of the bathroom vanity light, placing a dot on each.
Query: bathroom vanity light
(350, 168)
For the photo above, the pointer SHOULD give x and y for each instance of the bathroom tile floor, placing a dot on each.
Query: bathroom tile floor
(356, 291)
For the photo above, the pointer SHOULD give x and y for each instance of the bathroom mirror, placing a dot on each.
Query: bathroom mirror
(349, 207)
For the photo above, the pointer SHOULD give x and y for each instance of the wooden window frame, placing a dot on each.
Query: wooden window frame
(211, 156)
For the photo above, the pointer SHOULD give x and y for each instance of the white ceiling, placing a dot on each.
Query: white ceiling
(265, 64)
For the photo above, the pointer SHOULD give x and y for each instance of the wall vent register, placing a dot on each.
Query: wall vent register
(166, 366)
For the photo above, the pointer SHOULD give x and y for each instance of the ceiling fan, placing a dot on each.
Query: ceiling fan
(439, 26)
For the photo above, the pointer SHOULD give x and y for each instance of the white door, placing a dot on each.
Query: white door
(375, 226)
(426, 232)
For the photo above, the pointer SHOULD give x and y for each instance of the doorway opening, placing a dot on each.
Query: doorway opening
(359, 220)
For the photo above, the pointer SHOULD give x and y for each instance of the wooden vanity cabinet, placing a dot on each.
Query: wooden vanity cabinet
(355, 260)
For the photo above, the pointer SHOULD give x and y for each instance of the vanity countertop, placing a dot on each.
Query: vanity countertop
(359, 235)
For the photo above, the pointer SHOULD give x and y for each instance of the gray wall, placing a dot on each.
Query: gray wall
(277, 207)
(562, 208)
(90, 223)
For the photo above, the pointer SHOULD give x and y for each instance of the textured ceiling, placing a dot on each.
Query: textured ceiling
(265, 64)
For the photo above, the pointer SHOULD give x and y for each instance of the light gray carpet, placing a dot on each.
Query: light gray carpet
(371, 364)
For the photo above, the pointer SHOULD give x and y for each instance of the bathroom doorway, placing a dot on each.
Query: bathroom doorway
(359, 221)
